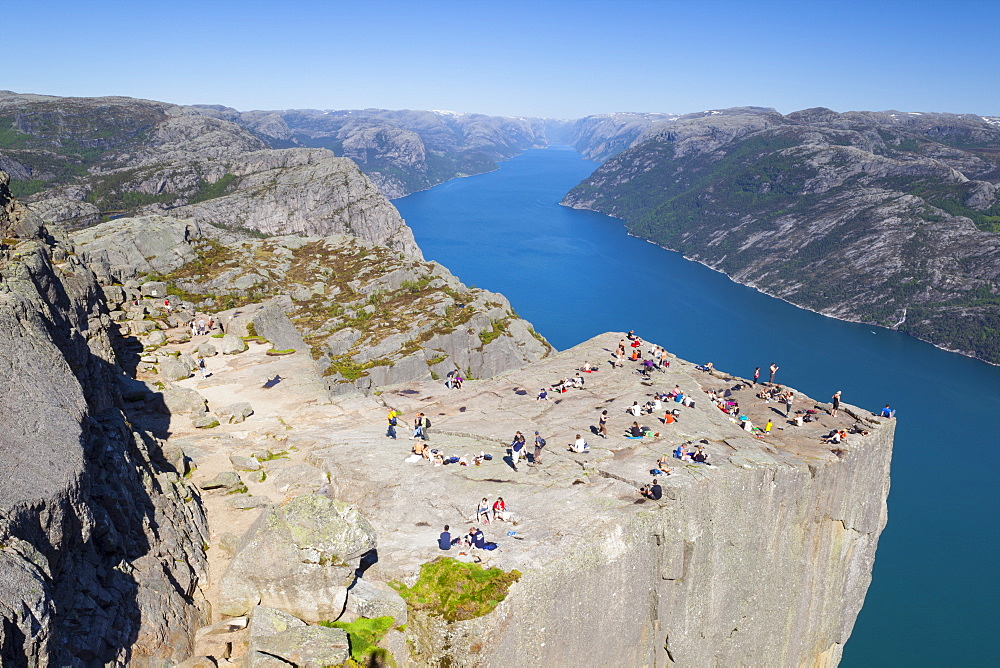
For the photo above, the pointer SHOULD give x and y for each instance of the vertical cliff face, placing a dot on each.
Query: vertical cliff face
(768, 567)
(100, 539)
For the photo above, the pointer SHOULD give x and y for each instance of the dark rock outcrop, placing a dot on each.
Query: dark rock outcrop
(101, 541)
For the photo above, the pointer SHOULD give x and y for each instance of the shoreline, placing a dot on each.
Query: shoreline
(765, 292)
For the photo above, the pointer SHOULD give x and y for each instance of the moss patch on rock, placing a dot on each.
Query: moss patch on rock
(364, 635)
(457, 591)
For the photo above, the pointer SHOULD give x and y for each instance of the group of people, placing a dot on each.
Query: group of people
(498, 509)
(518, 449)
(201, 327)
(421, 423)
(656, 357)
(453, 381)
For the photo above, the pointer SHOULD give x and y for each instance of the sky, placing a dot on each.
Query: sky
(558, 59)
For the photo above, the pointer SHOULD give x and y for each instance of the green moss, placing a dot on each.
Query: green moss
(251, 329)
(457, 591)
(364, 636)
(351, 370)
(499, 328)
(273, 352)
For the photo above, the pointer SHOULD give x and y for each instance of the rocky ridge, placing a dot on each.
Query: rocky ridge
(887, 218)
(101, 539)
(370, 316)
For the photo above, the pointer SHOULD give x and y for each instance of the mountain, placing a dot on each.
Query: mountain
(79, 161)
(401, 151)
(888, 218)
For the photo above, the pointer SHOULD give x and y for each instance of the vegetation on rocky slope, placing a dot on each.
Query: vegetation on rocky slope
(456, 591)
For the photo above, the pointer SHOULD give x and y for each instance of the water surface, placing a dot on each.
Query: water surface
(574, 274)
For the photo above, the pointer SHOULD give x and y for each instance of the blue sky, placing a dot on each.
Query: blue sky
(557, 59)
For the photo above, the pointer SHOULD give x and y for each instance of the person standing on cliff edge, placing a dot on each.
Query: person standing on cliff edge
(774, 369)
(836, 403)
(756, 375)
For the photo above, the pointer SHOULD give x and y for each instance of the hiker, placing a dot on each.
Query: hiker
(425, 425)
(603, 424)
(767, 427)
(756, 375)
(202, 369)
(631, 335)
(661, 464)
(664, 362)
(888, 412)
(483, 512)
(789, 398)
(774, 368)
(635, 431)
(516, 448)
(393, 421)
(457, 381)
(539, 444)
(444, 540)
(420, 448)
(700, 455)
(836, 403)
(418, 427)
(580, 445)
(653, 491)
(542, 395)
(500, 509)
(448, 379)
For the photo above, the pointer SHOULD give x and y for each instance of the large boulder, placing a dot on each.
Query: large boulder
(183, 400)
(232, 345)
(172, 369)
(234, 413)
(299, 557)
(307, 646)
(376, 599)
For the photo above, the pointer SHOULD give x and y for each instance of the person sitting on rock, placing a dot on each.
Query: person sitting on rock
(652, 491)
(483, 512)
(438, 457)
(635, 431)
(580, 445)
(888, 412)
(700, 455)
(661, 465)
(500, 509)
(634, 409)
(420, 448)
(543, 395)
(444, 540)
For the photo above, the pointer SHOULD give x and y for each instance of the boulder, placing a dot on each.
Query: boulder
(241, 463)
(154, 289)
(307, 646)
(265, 621)
(232, 345)
(183, 400)
(234, 413)
(376, 599)
(299, 557)
(205, 421)
(207, 350)
(247, 502)
(173, 369)
(132, 389)
(226, 479)
(156, 338)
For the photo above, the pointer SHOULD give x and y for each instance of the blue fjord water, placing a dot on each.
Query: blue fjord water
(574, 274)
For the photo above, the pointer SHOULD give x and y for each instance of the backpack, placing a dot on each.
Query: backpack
(427, 422)
(392, 421)
(541, 442)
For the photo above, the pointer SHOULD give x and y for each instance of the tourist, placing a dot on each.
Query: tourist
(425, 425)
(756, 375)
(774, 368)
(457, 381)
(444, 540)
(539, 444)
(634, 409)
(580, 445)
(664, 362)
(438, 457)
(836, 403)
(483, 512)
(653, 491)
(635, 431)
(603, 424)
(418, 427)
(420, 448)
(393, 421)
(767, 427)
(500, 509)
(543, 395)
(516, 449)
(789, 398)
(700, 455)
(888, 412)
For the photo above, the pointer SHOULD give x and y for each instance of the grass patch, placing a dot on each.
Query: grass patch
(352, 370)
(499, 328)
(457, 591)
(364, 636)
(274, 353)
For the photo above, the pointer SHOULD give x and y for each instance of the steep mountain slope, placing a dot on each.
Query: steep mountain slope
(401, 151)
(82, 160)
(888, 218)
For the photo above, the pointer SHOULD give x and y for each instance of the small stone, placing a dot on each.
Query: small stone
(246, 502)
(235, 413)
(241, 463)
(258, 476)
(262, 455)
(205, 421)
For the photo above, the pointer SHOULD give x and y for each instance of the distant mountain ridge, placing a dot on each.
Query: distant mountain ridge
(889, 218)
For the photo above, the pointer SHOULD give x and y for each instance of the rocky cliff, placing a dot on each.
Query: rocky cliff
(101, 540)
(80, 160)
(887, 218)
(370, 316)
